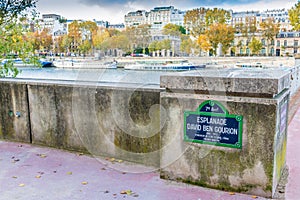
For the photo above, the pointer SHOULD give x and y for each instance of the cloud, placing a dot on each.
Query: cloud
(261, 5)
(153, 3)
(102, 3)
(114, 10)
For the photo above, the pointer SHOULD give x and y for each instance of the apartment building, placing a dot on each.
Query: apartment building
(135, 18)
(160, 16)
(157, 17)
(280, 16)
(244, 17)
(54, 23)
(287, 43)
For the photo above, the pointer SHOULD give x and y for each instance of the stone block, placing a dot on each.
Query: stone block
(255, 167)
(14, 115)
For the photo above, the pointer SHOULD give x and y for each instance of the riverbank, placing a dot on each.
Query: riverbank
(226, 62)
(214, 62)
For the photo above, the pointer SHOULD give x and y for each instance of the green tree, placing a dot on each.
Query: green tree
(269, 30)
(13, 28)
(255, 46)
(164, 44)
(159, 45)
(153, 46)
(216, 16)
(85, 47)
(173, 30)
(294, 14)
(139, 36)
(122, 42)
(186, 45)
(12, 9)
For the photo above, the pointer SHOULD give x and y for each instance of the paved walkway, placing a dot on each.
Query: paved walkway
(33, 173)
(292, 191)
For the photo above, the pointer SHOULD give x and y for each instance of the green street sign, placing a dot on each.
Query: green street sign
(212, 124)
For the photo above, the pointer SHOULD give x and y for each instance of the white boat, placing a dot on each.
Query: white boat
(76, 63)
(18, 62)
(164, 65)
(249, 65)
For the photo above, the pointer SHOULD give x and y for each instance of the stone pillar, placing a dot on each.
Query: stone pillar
(225, 129)
(219, 50)
(297, 60)
(163, 53)
(158, 53)
(168, 53)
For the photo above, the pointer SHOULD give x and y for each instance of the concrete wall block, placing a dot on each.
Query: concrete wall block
(249, 170)
(115, 122)
(14, 117)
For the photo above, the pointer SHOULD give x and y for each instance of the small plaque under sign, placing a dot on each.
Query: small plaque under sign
(212, 124)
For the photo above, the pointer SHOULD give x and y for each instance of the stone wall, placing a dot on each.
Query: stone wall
(14, 116)
(146, 125)
(256, 167)
(106, 121)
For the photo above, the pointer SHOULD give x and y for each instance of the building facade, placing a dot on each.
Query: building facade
(54, 23)
(243, 17)
(280, 16)
(135, 18)
(287, 43)
(157, 17)
(120, 27)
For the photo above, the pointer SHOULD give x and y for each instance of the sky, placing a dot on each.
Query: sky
(113, 11)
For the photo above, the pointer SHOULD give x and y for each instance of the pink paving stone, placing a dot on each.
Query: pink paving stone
(22, 163)
(293, 159)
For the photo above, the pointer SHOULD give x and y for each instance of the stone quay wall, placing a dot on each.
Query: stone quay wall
(146, 125)
(226, 132)
(107, 121)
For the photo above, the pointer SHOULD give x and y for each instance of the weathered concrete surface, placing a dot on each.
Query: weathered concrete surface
(107, 121)
(230, 82)
(14, 117)
(255, 169)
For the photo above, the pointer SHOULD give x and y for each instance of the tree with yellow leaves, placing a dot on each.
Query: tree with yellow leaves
(219, 33)
(100, 35)
(203, 43)
(294, 14)
(269, 30)
(194, 21)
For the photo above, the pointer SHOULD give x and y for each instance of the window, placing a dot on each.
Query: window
(285, 43)
(272, 51)
(278, 43)
(247, 51)
(272, 42)
(295, 43)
